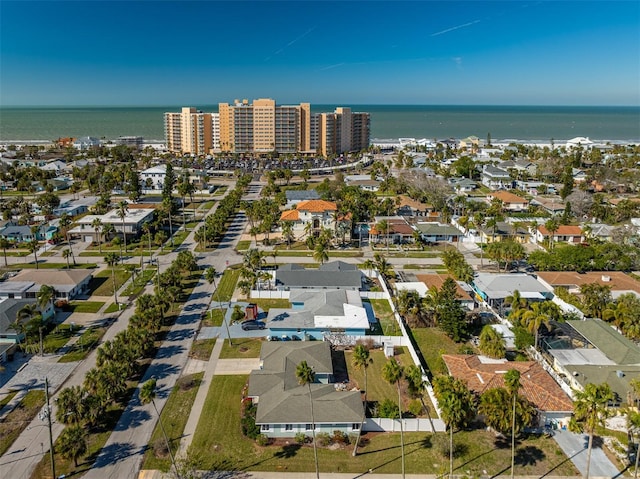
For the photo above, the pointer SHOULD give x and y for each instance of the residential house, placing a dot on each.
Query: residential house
(86, 142)
(134, 219)
(314, 314)
(535, 187)
(471, 142)
(398, 231)
(311, 216)
(438, 232)
(553, 206)
(510, 202)
(522, 168)
(332, 275)
(579, 176)
(493, 288)
(579, 142)
(23, 233)
(598, 231)
(57, 166)
(364, 182)
(564, 234)
(283, 406)
(481, 374)
(152, 179)
(496, 178)
(620, 283)
(9, 308)
(410, 207)
(592, 351)
(67, 283)
(427, 281)
(504, 231)
(463, 185)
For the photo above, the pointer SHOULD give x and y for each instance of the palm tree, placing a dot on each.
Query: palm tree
(45, 296)
(320, 253)
(590, 411)
(107, 230)
(361, 360)
(121, 210)
(392, 373)
(28, 314)
(534, 318)
(97, 227)
(369, 265)
(148, 395)
(33, 248)
(4, 244)
(512, 382)
(72, 443)
(65, 223)
(552, 226)
(306, 376)
(383, 225)
(66, 254)
(112, 260)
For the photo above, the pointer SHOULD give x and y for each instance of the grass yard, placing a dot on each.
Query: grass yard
(85, 344)
(41, 265)
(214, 317)
(134, 288)
(102, 285)
(7, 398)
(242, 348)
(112, 308)
(433, 343)
(56, 339)
(174, 417)
(178, 238)
(383, 312)
(219, 441)
(85, 306)
(266, 304)
(226, 285)
(220, 190)
(243, 245)
(18, 419)
(201, 349)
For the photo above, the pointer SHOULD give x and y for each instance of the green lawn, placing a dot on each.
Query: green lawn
(284, 253)
(85, 306)
(242, 348)
(433, 343)
(102, 285)
(174, 417)
(266, 304)
(214, 317)
(85, 344)
(383, 312)
(140, 282)
(379, 389)
(19, 266)
(219, 441)
(112, 308)
(243, 245)
(17, 420)
(226, 285)
(201, 349)
(6, 398)
(57, 338)
(178, 238)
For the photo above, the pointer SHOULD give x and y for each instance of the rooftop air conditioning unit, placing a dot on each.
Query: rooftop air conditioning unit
(606, 278)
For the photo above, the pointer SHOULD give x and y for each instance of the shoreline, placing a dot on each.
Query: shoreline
(496, 143)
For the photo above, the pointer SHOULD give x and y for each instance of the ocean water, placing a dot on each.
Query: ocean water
(387, 121)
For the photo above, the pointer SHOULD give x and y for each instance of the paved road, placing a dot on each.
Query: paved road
(122, 455)
(575, 447)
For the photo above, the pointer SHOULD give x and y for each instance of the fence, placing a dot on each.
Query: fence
(381, 424)
(269, 294)
(374, 295)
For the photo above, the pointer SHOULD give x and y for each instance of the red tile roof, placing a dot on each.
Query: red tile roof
(537, 385)
(317, 206)
(437, 279)
(290, 215)
(507, 197)
(563, 230)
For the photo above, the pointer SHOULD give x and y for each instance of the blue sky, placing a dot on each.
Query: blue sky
(355, 52)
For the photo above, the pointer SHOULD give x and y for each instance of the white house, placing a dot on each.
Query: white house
(86, 142)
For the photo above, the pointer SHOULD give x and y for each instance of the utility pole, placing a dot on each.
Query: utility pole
(46, 413)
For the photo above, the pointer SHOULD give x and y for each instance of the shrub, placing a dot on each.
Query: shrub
(302, 438)
(388, 409)
(186, 382)
(353, 438)
(340, 437)
(465, 349)
(160, 449)
(262, 440)
(323, 439)
(248, 422)
(415, 407)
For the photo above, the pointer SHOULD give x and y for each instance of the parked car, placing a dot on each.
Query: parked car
(252, 325)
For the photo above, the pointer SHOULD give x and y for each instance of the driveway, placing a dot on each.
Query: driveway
(575, 447)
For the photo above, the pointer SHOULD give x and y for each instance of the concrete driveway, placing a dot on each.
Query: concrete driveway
(575, 447)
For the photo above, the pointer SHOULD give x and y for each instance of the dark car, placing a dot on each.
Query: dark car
(252, 325)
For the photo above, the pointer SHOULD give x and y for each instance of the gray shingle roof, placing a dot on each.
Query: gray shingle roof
(8, 310)
(331, 275)
(301, 195)
(282, 400)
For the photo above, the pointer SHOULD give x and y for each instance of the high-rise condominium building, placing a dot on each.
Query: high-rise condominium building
(191, 131)
(263, 127)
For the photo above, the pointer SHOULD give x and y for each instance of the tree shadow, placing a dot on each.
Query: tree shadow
(568, 459)
(118, 451)
(169, 351)
(529, 456)
(133, 419)
(287, 452)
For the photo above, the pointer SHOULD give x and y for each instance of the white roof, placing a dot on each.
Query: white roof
(417, 286)
(157, 169)
(354, 317)
(580, 357)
